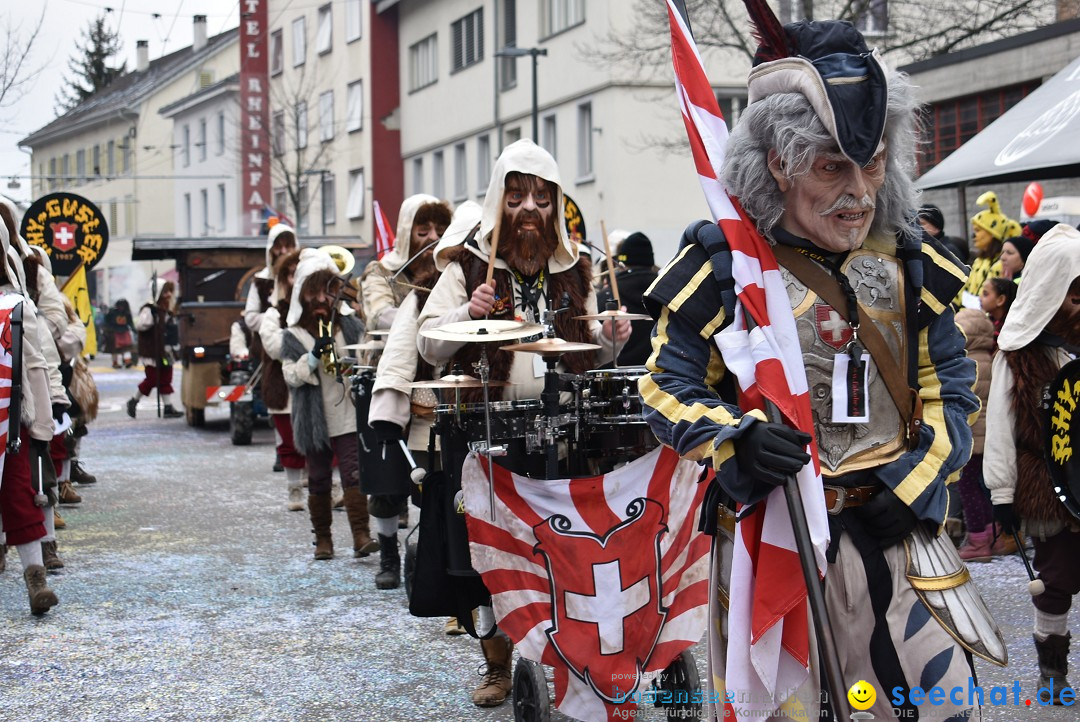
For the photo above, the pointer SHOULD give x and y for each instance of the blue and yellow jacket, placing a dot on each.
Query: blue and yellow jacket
(689, 399)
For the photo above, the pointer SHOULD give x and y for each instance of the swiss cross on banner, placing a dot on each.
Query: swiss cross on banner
(601, 578)
(8, 302)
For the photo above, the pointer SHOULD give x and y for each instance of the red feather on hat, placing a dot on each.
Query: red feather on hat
(773, 42)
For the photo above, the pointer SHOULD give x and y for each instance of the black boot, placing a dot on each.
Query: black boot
(389, 576)
(171, 413)
(1053, 663)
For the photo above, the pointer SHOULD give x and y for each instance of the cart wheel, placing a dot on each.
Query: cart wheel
(530, 692)
(241, 421)
(195, 417)
(410, 568)
(680, 678)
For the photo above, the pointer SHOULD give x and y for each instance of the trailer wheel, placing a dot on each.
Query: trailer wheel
(681, 680)
(241, 422)
(530, 692)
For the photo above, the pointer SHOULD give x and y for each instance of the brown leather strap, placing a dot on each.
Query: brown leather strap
(821, 282)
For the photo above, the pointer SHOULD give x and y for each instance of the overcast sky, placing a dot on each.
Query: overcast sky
(166, 24)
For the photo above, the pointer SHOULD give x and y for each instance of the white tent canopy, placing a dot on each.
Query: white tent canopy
(1037, 139)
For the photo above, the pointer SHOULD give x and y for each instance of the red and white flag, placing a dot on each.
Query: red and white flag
(768, 652)
(8, 302)
(601, 578)
(384, 233)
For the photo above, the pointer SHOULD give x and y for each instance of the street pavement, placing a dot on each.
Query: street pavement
(190, 593)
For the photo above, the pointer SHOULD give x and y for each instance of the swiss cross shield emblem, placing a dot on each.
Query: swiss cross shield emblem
(607, 609)
(831, 327)
(63, 235)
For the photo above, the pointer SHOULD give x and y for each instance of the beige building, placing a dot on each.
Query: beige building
(117, 150)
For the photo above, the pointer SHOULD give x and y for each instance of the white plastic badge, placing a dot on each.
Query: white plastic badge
(539, 367)
(850, 389)
(970, 300)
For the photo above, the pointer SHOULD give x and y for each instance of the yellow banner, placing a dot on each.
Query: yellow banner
(77, 290)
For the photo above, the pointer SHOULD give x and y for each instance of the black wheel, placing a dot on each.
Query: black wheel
(410, 568)
(681, 680)
(241, 421)
(530, 692)
(195, 417)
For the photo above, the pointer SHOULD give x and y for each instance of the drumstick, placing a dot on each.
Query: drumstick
(494, 248)
(1035, 586)
(610, 267)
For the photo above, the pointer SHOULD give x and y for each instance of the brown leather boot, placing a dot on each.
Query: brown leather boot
(495, 687)
(1053, 653)
(356, 508)
(68, 496)
(321, 516)
(3, 557)
(49, 557)
(42, 599)
(58, 520)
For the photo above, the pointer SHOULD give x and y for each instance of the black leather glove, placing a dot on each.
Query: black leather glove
(887, 518)
(321, 344)
(58, 412)
(42, 470)
(1006, 516)
(386, 432)
(768, 454)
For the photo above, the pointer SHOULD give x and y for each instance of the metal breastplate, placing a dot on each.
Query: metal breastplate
(878, 282)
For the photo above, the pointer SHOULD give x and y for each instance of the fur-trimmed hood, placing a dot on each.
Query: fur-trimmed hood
(396, 258)
(1049, 271)
(466, 216)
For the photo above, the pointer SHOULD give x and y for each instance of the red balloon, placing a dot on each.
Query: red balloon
(1033, 196)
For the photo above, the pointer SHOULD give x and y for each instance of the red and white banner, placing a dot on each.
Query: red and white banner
(384, 233)
(254, 114)
(601, 578)
(8, 302)
(230, 394)
(768, 652)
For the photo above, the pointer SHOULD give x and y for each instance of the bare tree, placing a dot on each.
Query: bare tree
(16, 76)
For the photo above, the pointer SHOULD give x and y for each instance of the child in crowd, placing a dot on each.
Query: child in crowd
(996, 298)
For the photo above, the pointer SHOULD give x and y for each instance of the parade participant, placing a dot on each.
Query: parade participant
(537, 267)
(23, 522)
(280, 239)
(831, 192)
(1043, 323)
(995, 300)
(991, 227)
(1015, 251)
(275, 391)
(421, 222)
(323, 415)
(395, 406)
(118, 324)
(159, 338)
(637, 272)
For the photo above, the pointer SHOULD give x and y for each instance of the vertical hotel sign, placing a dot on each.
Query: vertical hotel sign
(254, 113)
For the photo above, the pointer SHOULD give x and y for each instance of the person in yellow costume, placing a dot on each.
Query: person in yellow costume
(991, 227)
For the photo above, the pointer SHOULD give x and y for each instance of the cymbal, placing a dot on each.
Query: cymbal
(614, 315)
(551, 346)
(483, 330)
(377, 331)
(456, 381)
(365, 346)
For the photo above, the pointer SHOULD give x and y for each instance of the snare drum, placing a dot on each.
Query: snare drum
(611, 409)
(509, 419)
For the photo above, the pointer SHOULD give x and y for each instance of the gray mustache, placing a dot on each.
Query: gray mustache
(850, 203)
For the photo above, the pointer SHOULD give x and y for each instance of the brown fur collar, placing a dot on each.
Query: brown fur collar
(1033, 367)
(274, 389)
(575, 282)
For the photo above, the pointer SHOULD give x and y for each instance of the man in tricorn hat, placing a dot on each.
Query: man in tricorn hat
(821, 162)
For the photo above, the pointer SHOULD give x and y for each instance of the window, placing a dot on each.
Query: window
(483, 163)
(873, 21)
(951, 123)
(301, 125)
(65, 169)
(187, 215)
(585, 147)
(352, 20)
(185, 146)
(204, 198)
(558, 15)
(324, 37)
(508, 66)
(511, 135)
(281, 201)
(302, 209)
(731, 105)
(220, 133)
(125, 156)
(792, 11)
(418, 175)
(423, 63)
(223, 216)
(80, 165)
(277, 136)
(355, 205)
(299, 42)
(329, 208)
(95, 163)
(547, 134)
(110, 159)
(52, 173)
(326, 116)
(461, 185)
(354, 107)
(202, 139)
(438, 188)
(277, 52)
(468, 39)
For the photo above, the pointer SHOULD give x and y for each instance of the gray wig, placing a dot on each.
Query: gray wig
(787, 122)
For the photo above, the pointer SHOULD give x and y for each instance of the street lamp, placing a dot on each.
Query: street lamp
(511, 52)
